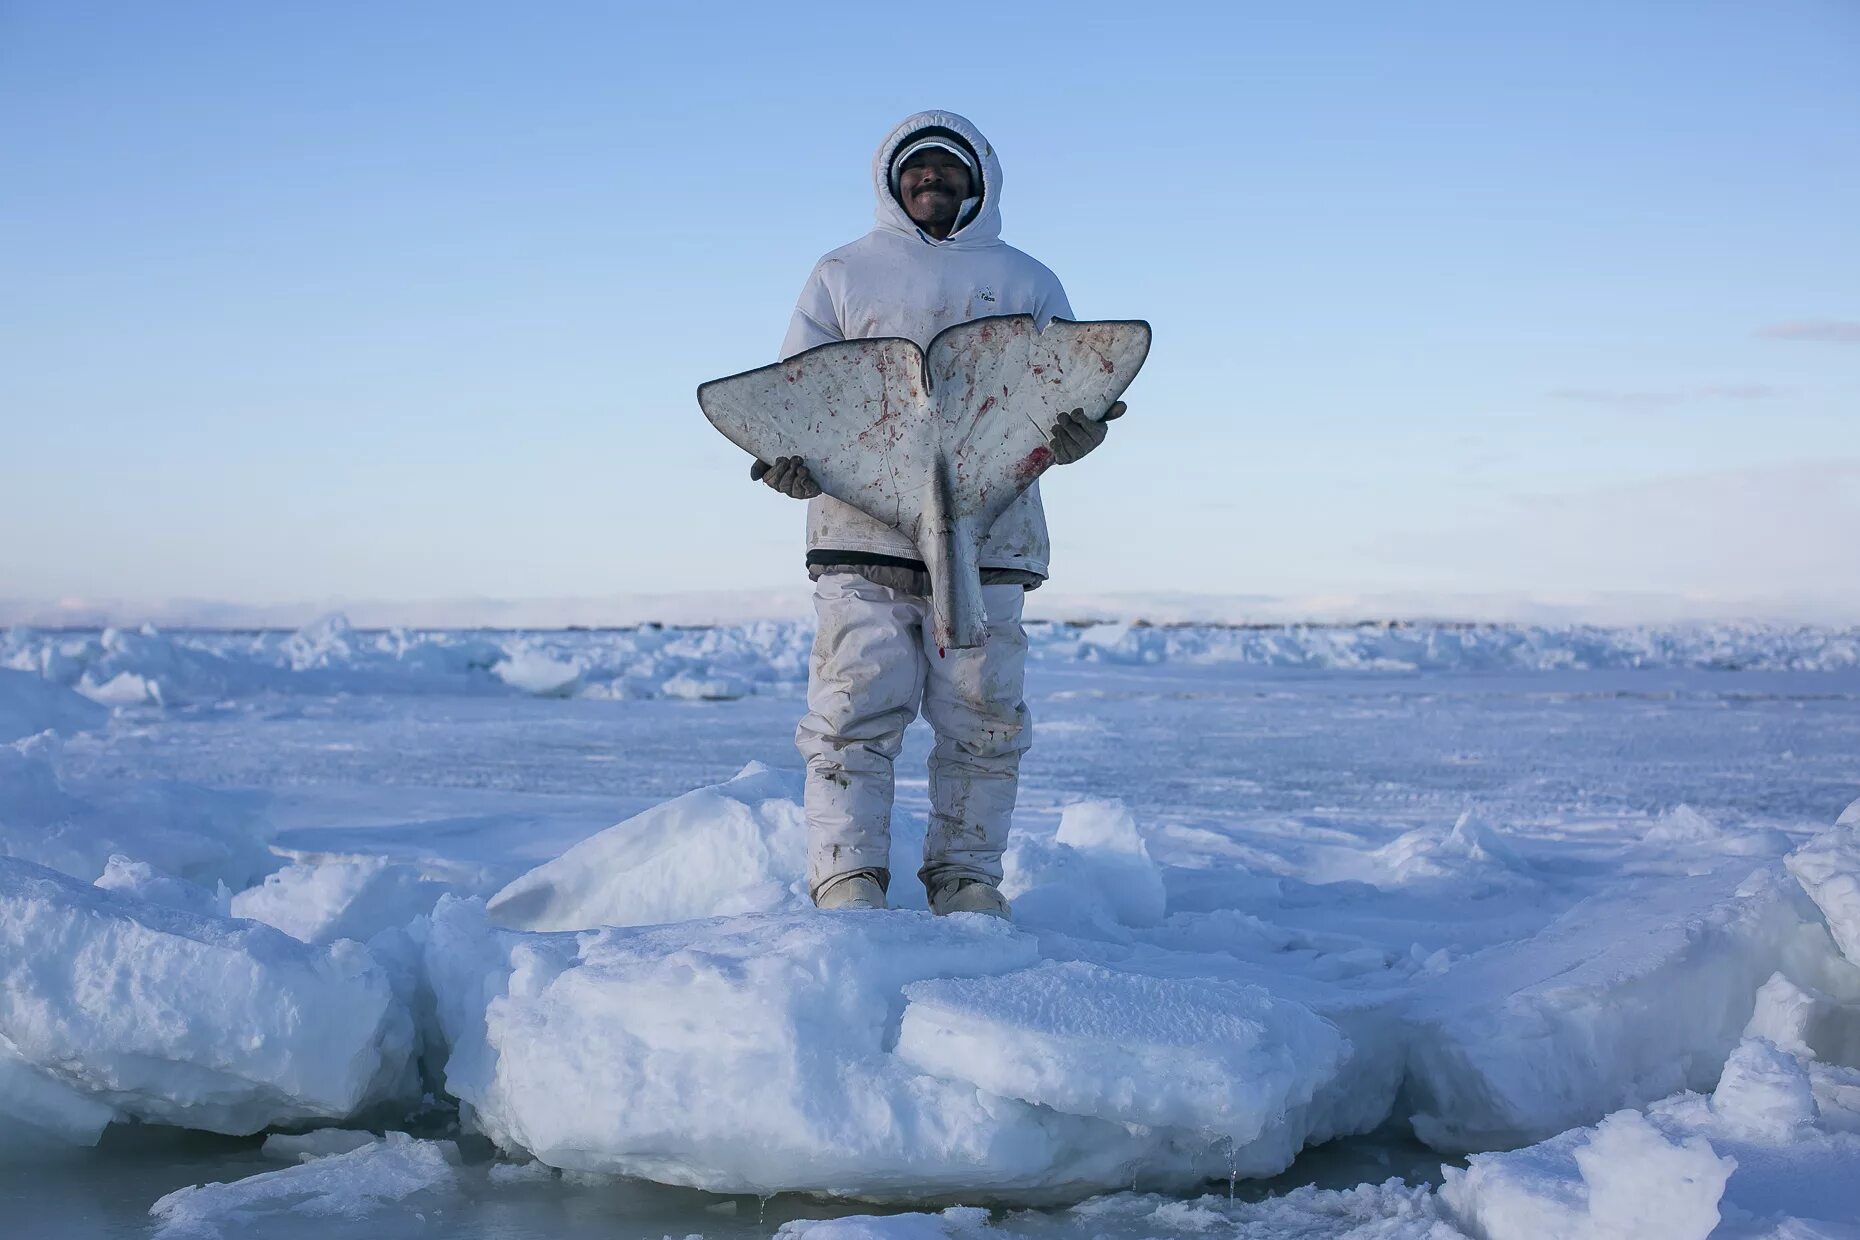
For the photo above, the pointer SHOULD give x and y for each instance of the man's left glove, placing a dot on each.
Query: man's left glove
(1074, 435)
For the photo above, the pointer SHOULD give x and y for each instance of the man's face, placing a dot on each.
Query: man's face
(932, 184)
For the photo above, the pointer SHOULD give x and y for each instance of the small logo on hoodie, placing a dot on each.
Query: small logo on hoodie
(987, 294)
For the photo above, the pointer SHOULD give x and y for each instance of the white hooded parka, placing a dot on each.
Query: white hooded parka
(897, 280)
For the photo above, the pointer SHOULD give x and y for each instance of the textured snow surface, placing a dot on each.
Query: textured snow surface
(1165, 1052)
(164, 1015)
(348, 1185)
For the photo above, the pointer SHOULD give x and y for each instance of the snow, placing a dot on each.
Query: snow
(175, 1017)
(1828, 868)
(1622, 1180)
(737, 847)
(29, 704)
(144, 882)
(1806, 1022)
(1271, 887)
(1771, 1151)
(350, 1185)
(1094, 872)
(1624, 999)
(320, 901)
(76, 824)
(750, 1054)
(147, 667)
(1085, 1040)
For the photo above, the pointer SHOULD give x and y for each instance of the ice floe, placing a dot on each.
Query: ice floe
(30, 705)
(1626, 998)
(1770, 1151)
(1094, 873)
(736, 847)
(318, 901)
(1828, 868)
(754, 1054)
(348, 1185)
(75, 825)
(158, 1014)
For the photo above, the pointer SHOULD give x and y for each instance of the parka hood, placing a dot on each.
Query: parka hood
(984, 228)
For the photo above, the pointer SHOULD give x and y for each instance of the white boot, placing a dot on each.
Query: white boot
(968, 895)
(856, 890)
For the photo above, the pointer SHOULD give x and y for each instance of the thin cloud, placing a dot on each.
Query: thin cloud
(1666, 398)
(1821, 331)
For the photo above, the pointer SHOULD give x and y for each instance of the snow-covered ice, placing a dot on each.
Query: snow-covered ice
(164, 1015)
(1093, 873)
(738, 847)
(75, 825)
(1272, 887)
(30, 704)
(753, 1054)
(1187, 1053)
(1770, 1151)
(1624, 999)
(319, 901)
(1828, 867)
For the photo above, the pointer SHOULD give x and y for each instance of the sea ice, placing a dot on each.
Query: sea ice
(1192, 1053)
(752, 1054)
(1091, 875)
(1621, 1180)
(1806, 1022)
(735, 847)
(75, 826)
(1769, 1153)
(350, 1185)
(177, 1018)
(318, 1143)
(1391, 1210)
(319, 901)
(1628, 997)
(143, 881)
(1828, 867)
(29, 704)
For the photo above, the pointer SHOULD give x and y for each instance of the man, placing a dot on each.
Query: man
(935, 259)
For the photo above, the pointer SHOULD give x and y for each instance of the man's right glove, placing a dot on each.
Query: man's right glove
(788, 475)
(1074, 434)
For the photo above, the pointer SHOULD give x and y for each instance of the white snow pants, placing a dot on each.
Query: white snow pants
(875, 661)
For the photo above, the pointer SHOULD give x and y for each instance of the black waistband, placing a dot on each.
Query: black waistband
(867, 559)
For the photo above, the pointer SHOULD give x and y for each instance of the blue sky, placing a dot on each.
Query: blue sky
(409, 301)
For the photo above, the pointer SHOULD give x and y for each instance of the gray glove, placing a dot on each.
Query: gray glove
(1074, 435)
(788, 475)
